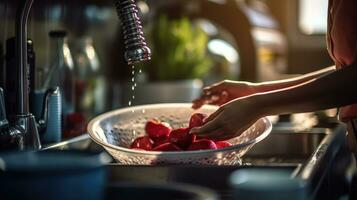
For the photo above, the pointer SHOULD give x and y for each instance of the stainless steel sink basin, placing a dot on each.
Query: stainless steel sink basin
(284, 146)
(82, 142)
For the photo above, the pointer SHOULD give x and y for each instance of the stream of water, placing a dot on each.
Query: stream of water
(133, 86)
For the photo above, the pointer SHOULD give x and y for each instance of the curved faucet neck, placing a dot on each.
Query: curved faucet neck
(22, 93)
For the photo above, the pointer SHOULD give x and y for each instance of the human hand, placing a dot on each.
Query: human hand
(230, 120)
(223, 92)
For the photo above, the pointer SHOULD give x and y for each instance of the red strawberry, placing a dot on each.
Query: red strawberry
(203, 144)
(167, 147)
(160, 141)
(181, 137)
(156, 129)
(197, 120)
(223, 144)
(75, 124)
(142, 143)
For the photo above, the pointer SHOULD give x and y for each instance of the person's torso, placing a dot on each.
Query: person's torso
(342, 41)
(342, 31)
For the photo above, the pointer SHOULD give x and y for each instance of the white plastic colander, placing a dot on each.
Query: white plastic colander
(116, 130)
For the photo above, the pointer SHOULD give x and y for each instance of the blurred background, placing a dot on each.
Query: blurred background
(194, 43)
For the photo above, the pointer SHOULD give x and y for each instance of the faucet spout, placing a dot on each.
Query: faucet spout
(136, 49)
(22, 104)
(22, 130)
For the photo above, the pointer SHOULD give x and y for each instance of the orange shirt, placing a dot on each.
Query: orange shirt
(342, 41)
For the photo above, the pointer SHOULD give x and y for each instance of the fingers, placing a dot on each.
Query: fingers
(198, 103)
(218, 127)
(216, 88)
(224, 98)
(233, 133)
(213, 115)
(204, 99)
(215, 94)
(211, 129)
(212, 99)
(213, 135)
(209, 126)
(216, 132)
(206, 129)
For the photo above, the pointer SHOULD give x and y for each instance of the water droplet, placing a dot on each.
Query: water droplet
(132, 111)
(140, 71)
(134, 132)
(143, 111)
(133, 86)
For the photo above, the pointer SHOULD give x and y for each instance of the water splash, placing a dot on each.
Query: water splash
(133, 86)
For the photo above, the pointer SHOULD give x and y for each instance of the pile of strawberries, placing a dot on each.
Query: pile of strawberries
(161, 137)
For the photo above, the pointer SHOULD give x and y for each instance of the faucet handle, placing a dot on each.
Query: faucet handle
(3, 120)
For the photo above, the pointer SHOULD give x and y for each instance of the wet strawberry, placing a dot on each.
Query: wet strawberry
(156, 129)
(160, 141)
(167, 147)
(197, 120)
(142, 143)
(202, 145)
(181, 137)
(223, 144)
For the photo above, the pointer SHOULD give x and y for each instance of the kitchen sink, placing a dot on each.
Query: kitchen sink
(309, 155)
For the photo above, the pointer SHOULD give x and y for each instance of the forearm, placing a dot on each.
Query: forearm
(281, 84)
(332, 90)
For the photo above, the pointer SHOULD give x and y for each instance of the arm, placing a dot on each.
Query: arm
(280, 84)
(225, 91)
(331, 90)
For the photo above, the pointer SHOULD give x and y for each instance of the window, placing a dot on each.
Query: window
(313, 16)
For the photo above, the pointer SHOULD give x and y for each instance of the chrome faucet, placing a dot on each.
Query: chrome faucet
(21, 129)
(136, 49)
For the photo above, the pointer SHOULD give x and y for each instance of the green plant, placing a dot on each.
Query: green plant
(178, 50)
